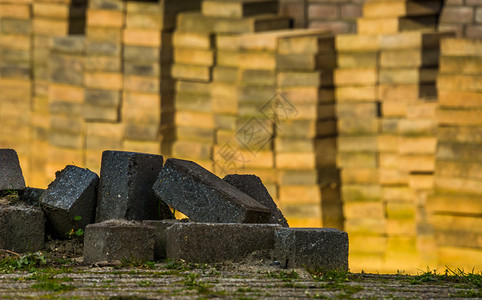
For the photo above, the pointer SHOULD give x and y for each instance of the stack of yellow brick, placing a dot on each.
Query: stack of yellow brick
(456, 204)
(385, 17)
(103, 78)
(357, 109)
(255, 127)
(303, 114)
(195, 60)
(50, 19)
(146, 60)
(382, 75)
(15, 84)
(66, 102)
(407, 74)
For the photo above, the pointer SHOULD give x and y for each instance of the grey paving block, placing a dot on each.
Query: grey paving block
(31, 195)
(254, 187)
(160, 227)
(118, 240)
(215, 242)
(11, 177)
(125, 188)
(314, 248)
(204, 197)
(71, 195)
(22, 227)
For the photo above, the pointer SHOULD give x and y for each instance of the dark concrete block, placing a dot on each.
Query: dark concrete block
(204, 197)
(31, 195)
(118, 240)
(11, 177)
(254, 187)
(125, 188)
(22, 227)
(160, 227)
(314, 248)
(214, 242)
(72, 194)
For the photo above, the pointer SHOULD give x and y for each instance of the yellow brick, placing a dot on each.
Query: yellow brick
(466, 117)
(142, 37)
(105, 18)
(347, 77)
(453, 184)
(461, 47)
(355, 42)
(417, 145)
(357, 175)
(301, 194)
(468, 259)
(16, 11)
(109, 81)
(460, 99)
(67, 93)
(400, 8)
(194, 56)
(458, 203)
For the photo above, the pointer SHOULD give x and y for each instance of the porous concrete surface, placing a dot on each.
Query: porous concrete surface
(22, 227)
(319, 248)
(11, 176)
(167, 280)
(214, 242)
(71, 195)
(125, 187)
(252, 186)
(204, 197)
(117, 240)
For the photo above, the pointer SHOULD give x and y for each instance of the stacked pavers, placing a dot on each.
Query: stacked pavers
(66, 102)
(193, 134)
(22, 226)
(337, 16)
(304, 120)
(384, 83)
(15, 70)
(356, 80)
(462, 17)
(385, 17)
(148, 87)
(456, 202)
(194, 60)
(103, 78)
(125, 192)
(408, 68)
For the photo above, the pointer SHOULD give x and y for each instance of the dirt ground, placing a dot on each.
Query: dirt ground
(58, 272)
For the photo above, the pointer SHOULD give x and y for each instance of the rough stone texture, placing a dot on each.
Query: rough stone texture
(204, 197)
(22, 227)
(118, 240)
(72, 194)
(11, 177)
(160, 227)
(31, 195)
(254, 187)
(125, 188)
(213, 242)
(315, 248)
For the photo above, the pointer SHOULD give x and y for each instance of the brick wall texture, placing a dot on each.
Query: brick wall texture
(360, 115)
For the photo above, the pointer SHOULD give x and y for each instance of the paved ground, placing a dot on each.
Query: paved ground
(178, 280)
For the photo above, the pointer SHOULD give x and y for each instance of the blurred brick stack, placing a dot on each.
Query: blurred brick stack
(15, 83)
(146, 61)
(50, 19)
(386, 74)
(66, 103)
(456, 205)
(194, 64)
(103, 78)
(385, 17)
(257, 92)
(408, 69)
(304, 120)
(462, 17)
(338, 16)
(357, 111)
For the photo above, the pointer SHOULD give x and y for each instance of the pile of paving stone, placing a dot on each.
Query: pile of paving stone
(126, 213)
